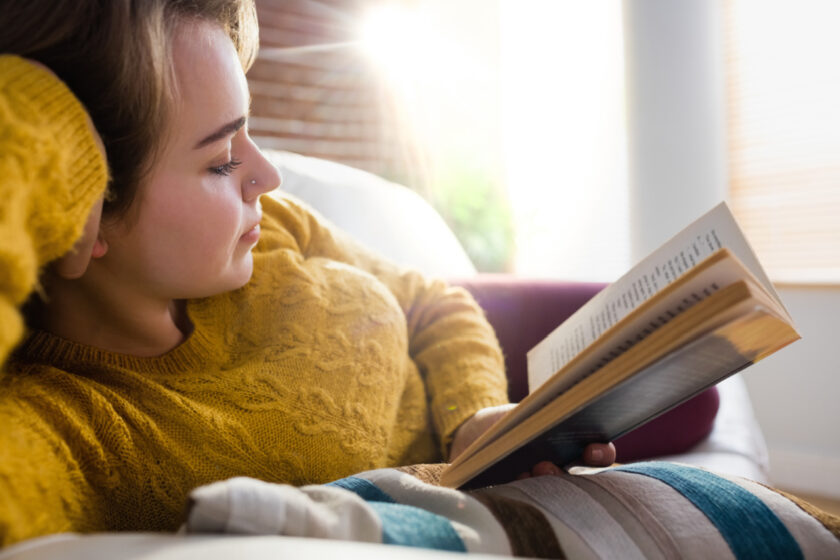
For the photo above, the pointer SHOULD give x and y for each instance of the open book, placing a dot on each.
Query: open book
(694, 312)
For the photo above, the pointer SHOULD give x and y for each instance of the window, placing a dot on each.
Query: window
(565, 138)
(783, 84)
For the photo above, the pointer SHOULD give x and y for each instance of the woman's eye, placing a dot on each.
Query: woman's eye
(226, 168)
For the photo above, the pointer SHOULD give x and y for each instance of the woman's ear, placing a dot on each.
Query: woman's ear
(91, 245)
(100, 247)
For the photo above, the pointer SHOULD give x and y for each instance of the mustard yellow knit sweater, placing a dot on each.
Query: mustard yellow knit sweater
(328, 362)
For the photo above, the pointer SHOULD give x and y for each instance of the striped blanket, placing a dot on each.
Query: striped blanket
(641, 510)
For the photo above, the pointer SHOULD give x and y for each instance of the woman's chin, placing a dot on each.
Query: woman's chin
(242, 273)
(235, 277)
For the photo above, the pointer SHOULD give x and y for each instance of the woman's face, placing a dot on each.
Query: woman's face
(195, 220)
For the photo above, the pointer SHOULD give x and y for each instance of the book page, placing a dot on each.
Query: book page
(715, 230)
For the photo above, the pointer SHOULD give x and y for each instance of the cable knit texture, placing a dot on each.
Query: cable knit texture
(330, 361)
(51, 173)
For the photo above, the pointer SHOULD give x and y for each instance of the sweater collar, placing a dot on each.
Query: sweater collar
(46, 348)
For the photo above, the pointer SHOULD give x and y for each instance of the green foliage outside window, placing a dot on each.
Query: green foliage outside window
(472, 201)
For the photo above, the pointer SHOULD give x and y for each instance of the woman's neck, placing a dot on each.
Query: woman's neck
(108, 316)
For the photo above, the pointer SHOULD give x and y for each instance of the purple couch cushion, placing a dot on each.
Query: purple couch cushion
(523, 311)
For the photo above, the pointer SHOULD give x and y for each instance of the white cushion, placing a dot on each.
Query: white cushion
(736, 445)
(387, 217)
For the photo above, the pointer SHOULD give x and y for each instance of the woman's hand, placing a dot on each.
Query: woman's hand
(476, 425)
(595, 454)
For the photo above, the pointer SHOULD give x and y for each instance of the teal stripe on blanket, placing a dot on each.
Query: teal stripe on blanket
(402, 524)
(750, 528)
(366, 489)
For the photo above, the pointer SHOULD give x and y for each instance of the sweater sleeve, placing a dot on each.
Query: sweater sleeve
(450, 339)
(52, 174)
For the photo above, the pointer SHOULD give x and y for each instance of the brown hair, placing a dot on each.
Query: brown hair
(115, 55)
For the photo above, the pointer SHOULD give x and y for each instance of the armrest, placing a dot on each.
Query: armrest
(523, 311)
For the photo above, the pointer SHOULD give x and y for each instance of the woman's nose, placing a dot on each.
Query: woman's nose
(264, 177)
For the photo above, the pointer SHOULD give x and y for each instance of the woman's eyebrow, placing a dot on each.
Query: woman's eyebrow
(226, 130)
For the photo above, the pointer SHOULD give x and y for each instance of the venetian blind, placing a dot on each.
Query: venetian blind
(784, 133)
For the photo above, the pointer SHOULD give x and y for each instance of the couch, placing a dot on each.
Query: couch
(717, 429)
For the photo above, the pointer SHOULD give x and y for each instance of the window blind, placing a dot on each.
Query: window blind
(783, 85)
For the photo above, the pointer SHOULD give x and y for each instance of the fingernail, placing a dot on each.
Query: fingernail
(597, 455)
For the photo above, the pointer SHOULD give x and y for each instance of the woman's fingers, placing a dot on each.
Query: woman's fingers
(544, 468)
(599, 454)
(595, 455)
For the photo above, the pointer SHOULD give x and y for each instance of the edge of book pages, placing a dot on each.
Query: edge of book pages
(714, 230)
(742, 315)
(719, 268)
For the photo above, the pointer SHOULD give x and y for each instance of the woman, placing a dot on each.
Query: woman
(197, 331)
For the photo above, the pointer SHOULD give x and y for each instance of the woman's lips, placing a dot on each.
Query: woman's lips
(251, 236)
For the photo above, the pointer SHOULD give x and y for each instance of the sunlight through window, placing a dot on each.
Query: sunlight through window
(565, 138)
(523, 97)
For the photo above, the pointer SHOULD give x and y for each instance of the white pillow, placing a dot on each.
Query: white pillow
(387, 217)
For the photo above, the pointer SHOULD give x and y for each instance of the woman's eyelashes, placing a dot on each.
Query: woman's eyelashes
(226, 168)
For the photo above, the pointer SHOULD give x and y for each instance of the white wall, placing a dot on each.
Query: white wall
(795, 395)
(675, 116)
(677, 170)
